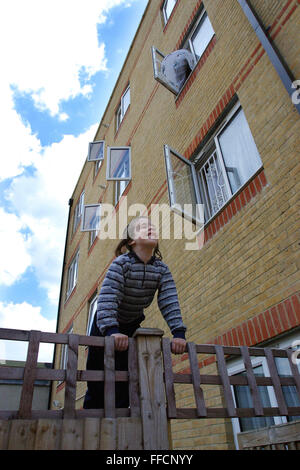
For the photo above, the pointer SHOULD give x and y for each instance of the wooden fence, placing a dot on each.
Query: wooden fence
(152, 399)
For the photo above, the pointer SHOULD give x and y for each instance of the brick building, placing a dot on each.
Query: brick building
(233, 131)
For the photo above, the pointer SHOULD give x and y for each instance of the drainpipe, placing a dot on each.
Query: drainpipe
(60, 294)
(286, 76)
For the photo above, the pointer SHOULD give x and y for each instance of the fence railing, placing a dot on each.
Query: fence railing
(151, 380)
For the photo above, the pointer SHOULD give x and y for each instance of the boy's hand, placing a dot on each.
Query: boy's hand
(178, 345)
(121, 341)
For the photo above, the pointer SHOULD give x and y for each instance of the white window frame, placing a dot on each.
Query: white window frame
(236, 366)
(108, 177)
(188, 41)
(204, 155)
(157, 58)
(78, 211)
(87, 206)
(64, 354)
(89, 158)
(121, 111)
(72, 275)
(164, 11)
(175, 207)
(92, 312)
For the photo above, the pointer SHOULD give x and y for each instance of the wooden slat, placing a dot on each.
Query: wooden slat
(196, 379)
(71, 375)
(48, 434)
(72, 434)
(14, 335)
(129, 434)
(225, 380)
(233, 379)
(257, 404)
(29, 375)
(276, 382)
(191, 413)
(153, 408)
(235, 350)
(4, 434)
(22, 434)
(108, 438)
(99, 413)
(278, 435)
(109, 374)
(169, 378)
(91, 433)
(134, 398)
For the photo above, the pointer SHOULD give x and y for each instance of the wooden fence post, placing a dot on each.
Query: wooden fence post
(152, 391)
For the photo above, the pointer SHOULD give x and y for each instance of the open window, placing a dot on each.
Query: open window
(199, 36)
(91, 218)
(92, 312)
(167, 8)
(123, 106)
(183, 190)
(158, 59)
(226, 163)
(72, 274)
(173, 69)
(78, 211)
(118, 164)
(96, 151)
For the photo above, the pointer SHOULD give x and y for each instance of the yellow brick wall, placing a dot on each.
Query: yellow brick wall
(251, 263)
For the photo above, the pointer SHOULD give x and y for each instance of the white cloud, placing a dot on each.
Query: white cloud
(41, 202)
(24, 316)
(49, 43)
(14, 255)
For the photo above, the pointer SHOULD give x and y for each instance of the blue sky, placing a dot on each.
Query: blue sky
(60, 63)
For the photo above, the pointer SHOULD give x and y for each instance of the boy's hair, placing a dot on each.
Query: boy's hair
(127, 237)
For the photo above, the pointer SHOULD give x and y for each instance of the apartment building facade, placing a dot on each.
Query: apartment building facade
(228, 138)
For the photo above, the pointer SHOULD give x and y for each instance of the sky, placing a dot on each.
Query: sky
(60, 60)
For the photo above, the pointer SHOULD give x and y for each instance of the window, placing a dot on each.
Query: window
(172, 70)
(200, 36)
(226, 163)
(72, 274)
(98, 165)
(64, 354)
(242, 396)
(91, 217)
(92, 311)
(167, 9)
(124, 104)
(78, 212)
(118, 164)
(93, 236)
(96, 151)
(119, 169)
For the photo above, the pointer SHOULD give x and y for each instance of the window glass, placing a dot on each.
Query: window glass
(118, 165)
(126, 100)
(202, 36)
(91, 217)
(72, 274)
(168, 8)
(239, 151)
(92, 311)
(96, 151)
(182, 185)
